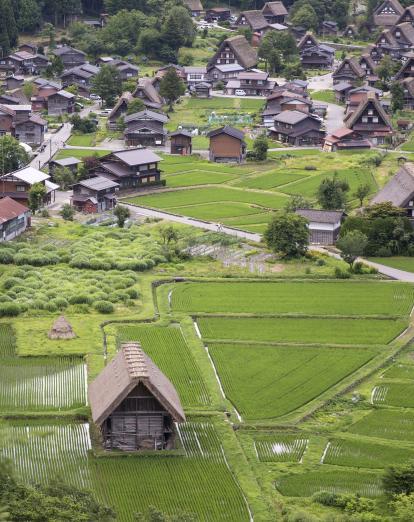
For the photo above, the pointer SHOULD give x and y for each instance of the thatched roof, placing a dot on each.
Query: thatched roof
(61, 329)
(255, 20)
(400, 189)
(307, 40)
(130, 367)
(349, 64)
(370, 99)
(244, 53)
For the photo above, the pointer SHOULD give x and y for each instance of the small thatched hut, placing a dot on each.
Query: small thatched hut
(134, 403)
(61, 329)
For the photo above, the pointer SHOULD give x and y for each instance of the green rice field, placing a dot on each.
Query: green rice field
(280, 448)
(305, 330)
(400, 371)
(394, 394)
(342, 482)
(386, 424)
(170, 352)
(329, 298)
(270, 180)
(359, 454)
(266, 382)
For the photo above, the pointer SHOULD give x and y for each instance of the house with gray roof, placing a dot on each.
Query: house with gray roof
(94, 195)
(324, 225)
(70, 57)
(399, 190)
(298, 128)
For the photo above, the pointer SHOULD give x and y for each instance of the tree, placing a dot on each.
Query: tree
(57, 66)
(384, 210)
(340, 10)
(399, 480)
(260, 147)
(28, 89)
(150, 42)
(135, 105)
(37, 194)
(171, 87)
(294, 71)
(29, 16)
(12, 155)
(64, 177)
(352, 245)
(50, 33)
(332, 193)
(67, 212)
(168, 233)
(362, 192)
(107, 84)
(397, 93)
(297, 201)
(8, 28)
(288, 235)
(403, 507)
(178, 29)
(277, 48)
(122, 214)
(385, 69)
(305, 17)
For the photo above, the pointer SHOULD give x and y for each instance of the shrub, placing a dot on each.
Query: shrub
(133, 294)
(358, 268)
(341, 274)
(10, 282)
(104, 307)
(60, 303)
(80, 299)
(384, 252)
(326, 498)
(9, 309)
(6, 256)
(51, 307)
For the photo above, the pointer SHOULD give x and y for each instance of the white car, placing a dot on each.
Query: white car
(240, 92)
(95, 97)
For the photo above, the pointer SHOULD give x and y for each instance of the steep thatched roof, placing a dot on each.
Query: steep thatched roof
(370, 99)
(61, 329)
(244, 53)
(255, 20)
(400, 189)
(129, 368)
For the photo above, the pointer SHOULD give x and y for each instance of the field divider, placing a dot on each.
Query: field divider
(253, 342)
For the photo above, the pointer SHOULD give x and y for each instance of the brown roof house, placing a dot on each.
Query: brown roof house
(145, 128)
(320, 56)
(298, 128)
(31, 130)
(408, 88)
(14, 219)
(61, 329)
(345, 139)
(131, 168)
(94, 195)
(283, 100)
(275, 12)
(387, 13)
(134, 404)
(61, 102)
(308, 40)
(350, 31)
(181, 142)
(227, 145)
(403, 35)
(146, 91)
(195, 7)
(234, 50)
(254, 20)
(370, 120)
(399, 190)
(218, 14)
(119, 110)
(349, 70)
(407, 69)
(323, 225)
(407, 15)
(252, 83)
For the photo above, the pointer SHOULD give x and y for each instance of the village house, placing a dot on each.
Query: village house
(218, 14)
(94, 195)
(282, 100)
(356, 95)
(408, 88)
(7, 99)
(370, 120)
(42, 90)
(134, 404)
(349, 71)
(202, 90)
(28, 47)
(369, 66)
(403, 35)
(387, 13)
(252, 83)
(297, 128)
(119, 110)
(324, 225)
(234, 50)
(17, 184)
(399, 190)
(194, 75)
(131, 168)
(13, 81)
(181, 142)
(329, 28)
(407, 69)
(81, 76)
(14, 219)
(31, 130)
(223, 73)
(253, 20)
(195, 7)
(7, 115)
(407, 15)
(345, 139)
(350, 31)
(70, 163)
(70, 57)
(275, 12)
(61, 102)
(146, 91)
(386, 44)
(145, 128)
(125, 69)
(341, 90)
(227, 145)
(308, 40)
(318, 57)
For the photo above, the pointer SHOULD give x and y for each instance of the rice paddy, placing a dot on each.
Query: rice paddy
(386, 424)
(394, 394)
(280, 448)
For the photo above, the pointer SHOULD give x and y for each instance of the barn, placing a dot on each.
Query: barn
(134, 404)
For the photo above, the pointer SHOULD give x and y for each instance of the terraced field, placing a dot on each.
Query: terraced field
(305, 330)
(280, 448)
(170, 352)
(394, 394)
(306, 484)
(265, 382)
(329, 298)
(386, 424)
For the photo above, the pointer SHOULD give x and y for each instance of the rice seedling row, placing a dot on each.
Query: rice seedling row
(280, 448)
(386, 424)
(400, 371)
(394, 394)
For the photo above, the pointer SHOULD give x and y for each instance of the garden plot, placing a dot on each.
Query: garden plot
(359, 454)
(266, 382)
(42, 451)
(329, 298)
(394, 394)
(355, 482)
(38, 383)
(386, 424)
(305, 330)
(199, 482)
(280, 447)
(170, 352)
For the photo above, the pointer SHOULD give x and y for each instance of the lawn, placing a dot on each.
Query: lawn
(80, 153)
(386, 424)
(329, 298)
(82, 140)
(300, 330)
(400, 371)
(324, 96)
(359, 454)
(363, 483)
(401, 263)
(266, 382)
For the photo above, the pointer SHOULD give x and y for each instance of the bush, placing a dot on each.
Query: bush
(104, 307)
(60, 303)
(80, 299)
(320, 262)
(9, 310)
(341, 274)
(6, 256)
(133, 294)
(10, 282)
(384, 252)
(326, 498)
(358, 268)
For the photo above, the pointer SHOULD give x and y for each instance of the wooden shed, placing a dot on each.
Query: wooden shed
(134, 403)
(181, 142)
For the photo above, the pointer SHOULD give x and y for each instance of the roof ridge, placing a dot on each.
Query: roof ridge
(135, 360)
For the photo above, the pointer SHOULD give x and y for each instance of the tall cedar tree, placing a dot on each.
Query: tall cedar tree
(171, 86)
(8, 28)
(107, 84)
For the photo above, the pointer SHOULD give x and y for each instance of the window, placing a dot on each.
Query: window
(364, 119)
(20, 188)
(370, 112)
(375, 119)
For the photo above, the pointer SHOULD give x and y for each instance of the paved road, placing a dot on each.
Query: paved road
(400, 275)
(334, 118)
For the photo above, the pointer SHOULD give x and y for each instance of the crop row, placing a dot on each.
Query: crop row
(386, 424)
(280, 448)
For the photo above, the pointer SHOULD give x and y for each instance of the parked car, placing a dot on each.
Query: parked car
(240, 92)
(105, 112)
(95, 97)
